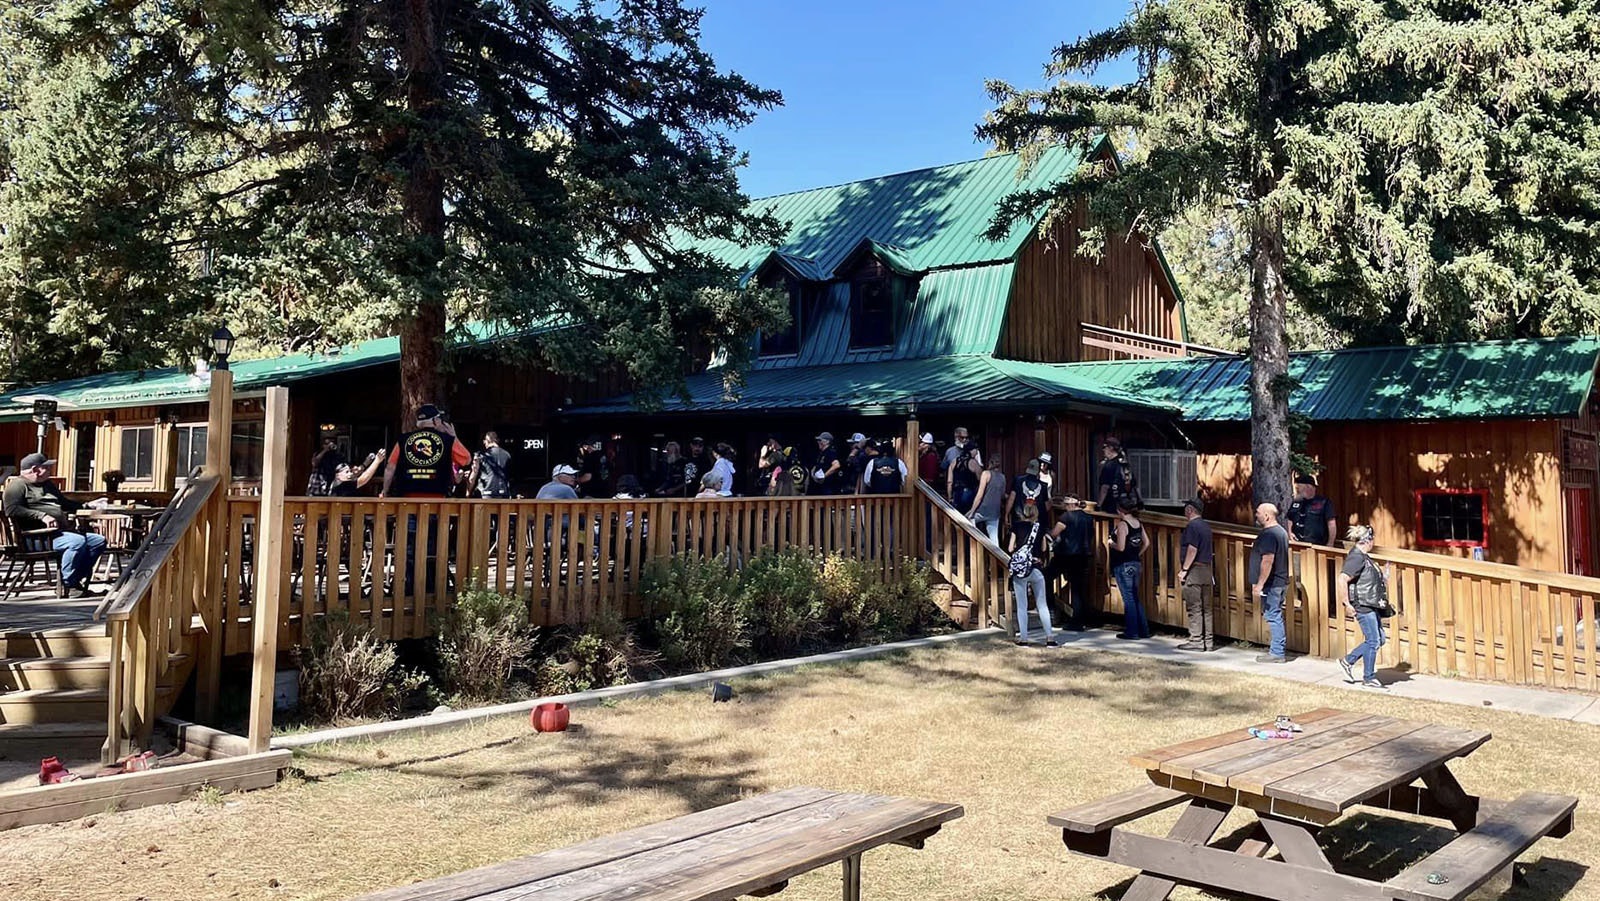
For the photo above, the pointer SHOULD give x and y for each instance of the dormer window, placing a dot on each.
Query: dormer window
(872, 314)
(785, 343)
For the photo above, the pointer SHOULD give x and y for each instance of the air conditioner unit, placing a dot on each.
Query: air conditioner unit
(1166, 478)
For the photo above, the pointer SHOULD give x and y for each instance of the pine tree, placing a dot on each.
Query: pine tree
(449, 160)
(1415, 162)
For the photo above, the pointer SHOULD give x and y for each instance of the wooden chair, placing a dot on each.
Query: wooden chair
(122, 540)
(24, 551)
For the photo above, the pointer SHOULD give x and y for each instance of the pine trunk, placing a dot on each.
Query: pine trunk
(1271, 475)
(423, 329)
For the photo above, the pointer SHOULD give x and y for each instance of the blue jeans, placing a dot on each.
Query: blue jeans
(79, 553)
(991, 527)
(1272, 612)
(1133, 618)
(1367, 651)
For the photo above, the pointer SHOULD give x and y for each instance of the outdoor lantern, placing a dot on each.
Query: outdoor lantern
(222, 344)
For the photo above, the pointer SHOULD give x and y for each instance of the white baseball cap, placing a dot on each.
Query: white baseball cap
(857, 438)
(563, 470)
(927, 437)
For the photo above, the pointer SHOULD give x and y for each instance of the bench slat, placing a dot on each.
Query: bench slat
(1098, 816)
(1474, 857)
(604, 849)
(719, 854)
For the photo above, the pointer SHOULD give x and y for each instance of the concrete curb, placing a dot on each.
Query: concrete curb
(456, 719)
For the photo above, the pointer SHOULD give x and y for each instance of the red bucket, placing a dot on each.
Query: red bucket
(550, 718)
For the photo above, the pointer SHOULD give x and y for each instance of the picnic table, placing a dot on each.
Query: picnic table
(749, 847)
(1295, 787)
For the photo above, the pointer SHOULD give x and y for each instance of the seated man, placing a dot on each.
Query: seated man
(32, 501)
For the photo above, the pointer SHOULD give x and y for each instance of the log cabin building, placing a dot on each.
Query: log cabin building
(901, 308)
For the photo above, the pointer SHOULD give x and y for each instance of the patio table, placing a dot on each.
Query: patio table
(1297, 786)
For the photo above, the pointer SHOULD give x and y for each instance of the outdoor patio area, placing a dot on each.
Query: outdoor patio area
(1011, 734)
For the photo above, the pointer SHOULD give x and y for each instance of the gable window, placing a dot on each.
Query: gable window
(787, 342)
(1452, 518)
(139, 453)
(871, 313)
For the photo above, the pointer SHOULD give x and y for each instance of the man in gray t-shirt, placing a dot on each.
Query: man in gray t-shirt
(1194, 574)
(561, 485)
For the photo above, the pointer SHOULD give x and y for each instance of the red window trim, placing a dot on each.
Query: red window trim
(1416, 506)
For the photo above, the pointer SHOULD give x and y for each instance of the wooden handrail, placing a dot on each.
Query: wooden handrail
(134, 581)
(962, 522)
(1424, 559)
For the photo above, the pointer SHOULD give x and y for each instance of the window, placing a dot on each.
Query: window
(139, 453)
(871, 314)
(191, 449)
(249, 447)
(1452, 518)
(787, 342)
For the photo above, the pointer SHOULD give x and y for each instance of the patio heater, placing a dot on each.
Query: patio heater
(44, 413)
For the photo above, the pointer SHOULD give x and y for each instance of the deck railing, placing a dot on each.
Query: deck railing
(151, 611)
(1456, 617)
(395, 563)
(964, 556)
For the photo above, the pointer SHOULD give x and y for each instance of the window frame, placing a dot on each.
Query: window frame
(884, 279)
(181, 471)
(1483, 502)
(796, 289)
(255, 430)
(128, 472)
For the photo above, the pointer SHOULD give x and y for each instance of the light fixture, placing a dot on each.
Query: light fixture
(222, 346)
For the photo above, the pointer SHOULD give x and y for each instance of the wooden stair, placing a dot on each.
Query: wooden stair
(52, 679)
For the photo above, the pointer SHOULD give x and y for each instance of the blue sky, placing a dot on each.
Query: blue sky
(883, 85)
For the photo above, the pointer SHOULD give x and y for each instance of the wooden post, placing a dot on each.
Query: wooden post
(166, 462)
(270, 531)
(915, 542)
(219, 462)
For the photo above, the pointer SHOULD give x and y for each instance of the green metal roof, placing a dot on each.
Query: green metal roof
(174, 385)
(1537, 378)
(965, 381)
(931, 218)
(955, 311)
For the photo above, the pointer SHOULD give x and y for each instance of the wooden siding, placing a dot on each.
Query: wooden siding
(1372, 468)
(1056, 288)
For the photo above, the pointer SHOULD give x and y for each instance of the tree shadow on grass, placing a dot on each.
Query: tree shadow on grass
(682, 769)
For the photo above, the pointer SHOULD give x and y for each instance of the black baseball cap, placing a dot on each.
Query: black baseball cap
(428, 411)
(32, 460)
(1305, 480)
(1198, 505)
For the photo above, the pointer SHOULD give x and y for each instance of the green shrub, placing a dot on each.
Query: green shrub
(694, 607)
(347, 673)
(907, 606)
(484, 638)
(605, 653)
(781, 594)
(850, 612)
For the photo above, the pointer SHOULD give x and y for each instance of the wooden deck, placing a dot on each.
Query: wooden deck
(38, 609)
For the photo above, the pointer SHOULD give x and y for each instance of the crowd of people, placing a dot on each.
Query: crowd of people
(1014, 512)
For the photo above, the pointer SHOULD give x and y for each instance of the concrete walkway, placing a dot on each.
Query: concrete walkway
(1560, 705)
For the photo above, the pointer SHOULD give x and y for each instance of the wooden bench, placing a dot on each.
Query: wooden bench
(1454, 871)
(750, 847)
(1125, 807)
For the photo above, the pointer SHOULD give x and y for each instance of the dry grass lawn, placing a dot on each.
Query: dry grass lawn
(1010, 733)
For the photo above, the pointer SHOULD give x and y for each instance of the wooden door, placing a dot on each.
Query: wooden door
(1577, 502)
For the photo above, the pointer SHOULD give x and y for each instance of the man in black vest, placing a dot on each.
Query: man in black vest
(1311, 515)
(1072, 555)
(425, 461)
